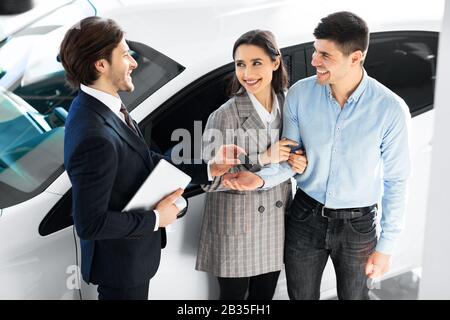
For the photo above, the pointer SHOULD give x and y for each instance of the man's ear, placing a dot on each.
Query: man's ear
(101, 65)
(357, 57)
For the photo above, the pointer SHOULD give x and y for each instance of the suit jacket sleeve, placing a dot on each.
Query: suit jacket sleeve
(92, 169)
(218, 121)
(198, 172)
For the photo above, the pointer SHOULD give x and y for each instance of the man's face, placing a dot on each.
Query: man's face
(122, 64)
(332, 66)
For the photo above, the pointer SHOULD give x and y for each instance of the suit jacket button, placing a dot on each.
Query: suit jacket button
(261, 209)
(279, 204)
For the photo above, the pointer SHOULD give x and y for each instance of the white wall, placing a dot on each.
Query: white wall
(435, 282)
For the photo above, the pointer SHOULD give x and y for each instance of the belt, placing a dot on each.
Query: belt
(341, 213)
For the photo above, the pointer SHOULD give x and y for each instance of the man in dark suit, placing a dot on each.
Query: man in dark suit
(107, 160)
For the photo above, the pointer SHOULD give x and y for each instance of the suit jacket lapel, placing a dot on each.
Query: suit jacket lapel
(136, 127)
(136, 142)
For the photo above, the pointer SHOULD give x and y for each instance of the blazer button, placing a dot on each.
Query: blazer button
(261, 209)
(279, 204)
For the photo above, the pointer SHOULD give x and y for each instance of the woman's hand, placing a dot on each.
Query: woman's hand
(277, 152)
(298, 161)
(226, 158)
(242, 180)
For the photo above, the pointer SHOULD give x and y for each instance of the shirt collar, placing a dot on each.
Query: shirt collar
(108, 100)
(357, 93)
(265, 116)
(360, 89)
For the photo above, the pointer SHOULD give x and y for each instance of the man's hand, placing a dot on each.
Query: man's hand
(243, 181)
(167, 209)
(277, 152)
(377, 264)
(298, 161)
(226, 158)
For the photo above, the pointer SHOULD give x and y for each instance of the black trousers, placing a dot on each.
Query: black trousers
(134, 293)
(260, 287)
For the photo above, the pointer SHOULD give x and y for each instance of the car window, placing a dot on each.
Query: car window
(405, 62)
(154, 70)
(47, 94)
(295, 61)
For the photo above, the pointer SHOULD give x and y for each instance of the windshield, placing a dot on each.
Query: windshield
(33, 107)
(31, 148)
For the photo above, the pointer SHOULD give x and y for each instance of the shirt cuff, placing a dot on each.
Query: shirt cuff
(157, 220)
(210, 177)
(385, 246)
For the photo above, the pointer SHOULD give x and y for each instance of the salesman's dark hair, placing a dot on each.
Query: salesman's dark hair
(266, 41)
(88, 41)
(346, 29)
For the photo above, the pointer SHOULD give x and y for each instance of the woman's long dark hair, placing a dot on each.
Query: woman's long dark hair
(265, 40)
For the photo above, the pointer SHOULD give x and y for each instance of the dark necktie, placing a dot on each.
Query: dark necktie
(128, 119)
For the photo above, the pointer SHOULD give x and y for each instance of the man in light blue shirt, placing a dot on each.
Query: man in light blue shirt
(354, 131)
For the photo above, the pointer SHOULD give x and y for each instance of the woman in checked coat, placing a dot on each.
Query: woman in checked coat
(242, 234)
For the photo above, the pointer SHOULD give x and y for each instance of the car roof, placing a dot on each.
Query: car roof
(9, 24)
(190, 31)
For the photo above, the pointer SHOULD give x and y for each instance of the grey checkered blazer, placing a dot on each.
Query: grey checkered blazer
(242, 233)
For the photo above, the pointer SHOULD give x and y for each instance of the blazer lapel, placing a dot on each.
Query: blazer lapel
(252, 123)
(136, 142)
(281, 98)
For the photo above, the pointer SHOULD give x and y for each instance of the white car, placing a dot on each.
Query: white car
(184, 54)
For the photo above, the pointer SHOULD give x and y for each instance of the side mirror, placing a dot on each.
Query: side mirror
(15, 6)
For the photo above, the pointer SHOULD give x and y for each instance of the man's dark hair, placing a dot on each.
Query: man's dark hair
(266, 41)
(88, 41)
(348, 30)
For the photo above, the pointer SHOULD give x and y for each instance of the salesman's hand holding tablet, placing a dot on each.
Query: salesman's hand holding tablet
(168, 209)
(162, 191)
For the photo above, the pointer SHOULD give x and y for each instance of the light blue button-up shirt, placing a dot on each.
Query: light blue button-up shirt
(357, 154)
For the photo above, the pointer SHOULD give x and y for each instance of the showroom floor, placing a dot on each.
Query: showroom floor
(402, 287)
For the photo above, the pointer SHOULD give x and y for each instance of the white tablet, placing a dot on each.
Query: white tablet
(162, 181)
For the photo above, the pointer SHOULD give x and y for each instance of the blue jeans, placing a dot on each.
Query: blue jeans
(312, 238)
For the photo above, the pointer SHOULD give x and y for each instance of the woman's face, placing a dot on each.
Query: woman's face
(254, 69)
